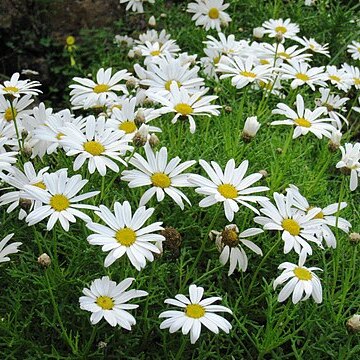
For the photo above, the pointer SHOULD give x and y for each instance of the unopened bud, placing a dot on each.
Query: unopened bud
(264, 173)
(27, 149)
(139, 118)
(131, 83)
(148, 102)
(131, 54)
(251, 127)
(228, 109)
(279, 150)
(279, 37)
(152, 21)
(44, 260)
(25, 204)
(354, 237)
(353, 324)
(258, 32)
(154, 140)
(334, 142)
(163, 15)
(102, 345)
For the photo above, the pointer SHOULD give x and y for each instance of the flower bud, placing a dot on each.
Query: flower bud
(25, 204)
(44, 260)
(141, 136)
(354, 237)
(251, 127)
(228, 108)
(279, 37)
(258, 32)
(131, 83)
(131, 54)
(152, 21)
(139, 118)
(154, 140)
(172, 241)
(334, 142)
(264, 173)
(353, 324)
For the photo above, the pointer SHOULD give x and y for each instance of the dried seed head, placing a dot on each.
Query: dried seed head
(172, 241)
(230, 237)
(353, 324)
(279, 37)
(228, 108)
(25, 204)
(154, 140)
(44, 260)
(279, 150)
(354, 237)
(131, 83)
(139, 118)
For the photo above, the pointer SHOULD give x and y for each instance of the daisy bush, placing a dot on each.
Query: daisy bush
(193, 190)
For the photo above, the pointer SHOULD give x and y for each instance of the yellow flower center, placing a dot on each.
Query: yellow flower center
(284, 55)
(160, 180)
(265, 85)
(8, 115)
(125, 236)
(302, 122)
(228, 191)
(216, 59)
(264, 62)
(312, 47)
(194, 311)
(59, 202)
(105, 302)
(183, 109)
(335, 78)
(11, 89)
(357, 81)
(94, 148)
(281, 29)
(319, 215)
(248, 74)
(168, 83)
(118, 106)
(230, 237)
(291, 226)
(128, 126)
(101, 88)
(70, 40)
(59, 135)
(155, 53)
(40, 185)
(213, 13)
(302, 273)
(302, 77)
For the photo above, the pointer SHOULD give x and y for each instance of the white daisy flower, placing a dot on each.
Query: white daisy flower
(155, 51)
(136, 5)
(286, 29)
(88, 92)
(209, 62)
(297, 228)
(228, 46)
(163, 176)
(242, 72)
(161, 74)
(338, 77)
(350, 162)
(153, 36)
(123, 40)
(179, 101)
(125, 234)
(16, 87)
(286, 54)
(333, 105)
(304, 120)
(8, 136)
(302, 73)
(354, 50)
(97, 144)
(59, 199)
(229, 187)
(313, 45)
(302, 282)
(19, 106)
(5, 251)
(229, 243)
(196, 312)
(107, 299)
(327, 214)
(209, 14)
(18, 180)
(354, 74)
(124, 119)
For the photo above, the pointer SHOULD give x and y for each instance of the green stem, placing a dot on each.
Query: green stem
(15, 124)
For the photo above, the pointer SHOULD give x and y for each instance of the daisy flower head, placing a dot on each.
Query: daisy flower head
(304, 120)
(136, 5)
(97, 144)
(8, 137)
(302, 73)
(6, 250)
(164, 177)
(19, 105)
(333, 105)
(270, 51)
(195, 312)
(123, 40)
(313, 45)
(186, 105)
(350, 163)
(153, 36)
(302, 282)
(18, 180)
(125, 233)
(328, 214)
(243, 71)
(59, 199)
(209, 14)
(7, 158)
(229, 187)
(90, 93)
(297, 228)
(15, 87)
(155, 51)
(107, 299)
(354, 73)
(228, 46)
(354, 50)
(124, 119)
(229, 243)
(279, 27)
(338, 77)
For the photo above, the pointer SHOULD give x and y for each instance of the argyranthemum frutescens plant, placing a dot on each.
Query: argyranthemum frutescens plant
(111, 125)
